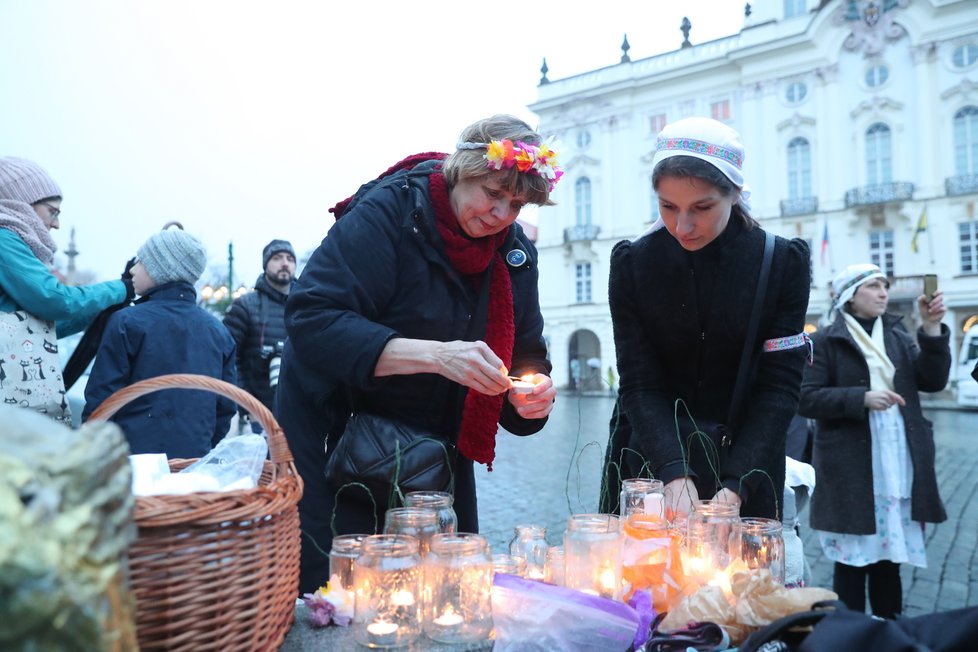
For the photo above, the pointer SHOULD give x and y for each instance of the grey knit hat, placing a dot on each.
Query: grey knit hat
(23, 180)
(275, 247)
(173, 255)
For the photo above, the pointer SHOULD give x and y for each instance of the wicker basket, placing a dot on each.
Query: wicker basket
(216, 570)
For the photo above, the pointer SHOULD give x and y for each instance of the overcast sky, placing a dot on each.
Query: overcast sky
(247, 120)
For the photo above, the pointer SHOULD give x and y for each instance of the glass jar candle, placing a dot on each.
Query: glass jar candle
(762, 545)
(458, 588)
(440, 501)
(642, 496)
(503, 563)
(553, 571)
(342, 554)
(592, 554)
(530, 543)
(388, 579)
(713, 540)
(418, 522)
(650, 560)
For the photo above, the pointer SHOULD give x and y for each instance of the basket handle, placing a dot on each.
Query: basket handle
(278, 447)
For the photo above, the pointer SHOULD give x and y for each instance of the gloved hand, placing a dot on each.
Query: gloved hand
(127, 279)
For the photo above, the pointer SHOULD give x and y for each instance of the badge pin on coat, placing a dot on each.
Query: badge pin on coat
(516, 258)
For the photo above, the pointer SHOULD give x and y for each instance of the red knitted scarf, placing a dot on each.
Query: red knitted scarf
(471, 257)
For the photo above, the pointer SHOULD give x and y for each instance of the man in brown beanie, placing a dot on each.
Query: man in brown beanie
(256, 321)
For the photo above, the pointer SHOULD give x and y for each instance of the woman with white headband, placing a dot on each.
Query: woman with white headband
(681, 297)
(416, 309)
(874, 450)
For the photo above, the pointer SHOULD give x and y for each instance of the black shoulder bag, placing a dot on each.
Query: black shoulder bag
(387, 455)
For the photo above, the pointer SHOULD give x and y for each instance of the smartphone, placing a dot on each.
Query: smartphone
(930, 285)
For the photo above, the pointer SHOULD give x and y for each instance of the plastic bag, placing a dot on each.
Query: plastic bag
(236, 462)
(532, 616)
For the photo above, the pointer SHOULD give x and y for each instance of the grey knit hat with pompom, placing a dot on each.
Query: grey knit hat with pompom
(173, 255)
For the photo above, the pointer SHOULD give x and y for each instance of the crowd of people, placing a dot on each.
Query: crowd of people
(419, 314)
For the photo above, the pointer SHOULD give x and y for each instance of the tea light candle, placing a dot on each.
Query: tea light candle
(449, 619)
(522, 385)
(382, 632)
(402, 598)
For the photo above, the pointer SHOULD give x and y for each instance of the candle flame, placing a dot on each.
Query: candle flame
(402, 598)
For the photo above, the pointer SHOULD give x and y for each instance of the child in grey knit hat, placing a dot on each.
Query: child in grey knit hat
(166, 332)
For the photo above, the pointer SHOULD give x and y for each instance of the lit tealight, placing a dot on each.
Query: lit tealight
(382, 628)
(402, 598)
(523, 385)
(449, 619)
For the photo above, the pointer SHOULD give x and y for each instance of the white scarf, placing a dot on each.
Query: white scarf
(22, 220)
(881, 369)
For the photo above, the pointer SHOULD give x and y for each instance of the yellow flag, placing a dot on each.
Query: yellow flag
(921, 227)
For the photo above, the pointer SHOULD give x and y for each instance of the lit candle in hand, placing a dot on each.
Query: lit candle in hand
(522, 385)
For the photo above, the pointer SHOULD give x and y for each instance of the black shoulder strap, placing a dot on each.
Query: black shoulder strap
(755, 317)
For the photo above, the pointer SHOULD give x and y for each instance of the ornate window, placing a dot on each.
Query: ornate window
(968, 236)
(877, 75)
(582, 201)
(799, 169)
(964, 55)
(881, 250)
(583, 138)
(966, 140)
(879, 156)
(795, 92)
(582, 274)
(793, 8)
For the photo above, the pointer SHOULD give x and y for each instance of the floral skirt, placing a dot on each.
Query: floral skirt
(897, 538)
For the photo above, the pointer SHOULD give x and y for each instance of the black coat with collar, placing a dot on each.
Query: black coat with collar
(833, 392)
(680, 319)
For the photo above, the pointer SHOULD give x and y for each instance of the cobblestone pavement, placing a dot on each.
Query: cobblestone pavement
(546, 477)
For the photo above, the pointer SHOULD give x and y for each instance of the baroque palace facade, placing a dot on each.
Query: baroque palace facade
(860, 123)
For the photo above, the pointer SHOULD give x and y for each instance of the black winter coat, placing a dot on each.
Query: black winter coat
(257, 320)
(833, 392)
(380, 273)
(680, 319)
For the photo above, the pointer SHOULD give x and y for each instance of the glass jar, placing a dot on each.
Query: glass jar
(713, 539)
(553, 571)
(503, 563)
(642, 496)
(342, 554)
(650, 560)
(418, 522)
(762, 545)
(440, 501)
(530, 543)
(458, 588)
(388, 580)
(592, 554)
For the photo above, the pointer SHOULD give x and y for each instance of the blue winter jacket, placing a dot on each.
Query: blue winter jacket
(165, 332)
(27, 284)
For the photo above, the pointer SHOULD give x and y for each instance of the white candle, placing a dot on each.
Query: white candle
(448, 619)
(382, 632)
(402, 598)
(522, 387)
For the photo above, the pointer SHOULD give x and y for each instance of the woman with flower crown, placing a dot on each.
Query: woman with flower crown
(386, 319)
(681, 296)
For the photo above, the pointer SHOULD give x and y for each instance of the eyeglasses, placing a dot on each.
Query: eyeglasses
(53, 210)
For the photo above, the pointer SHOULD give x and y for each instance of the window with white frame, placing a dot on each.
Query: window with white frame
(582, 201)
(968, 243)
(657, 123)
(881, 250)
(793, 8)
(879, 155)
(964, 55)
(799, 169)
(583, 283)
(720, 110)
(795, 92)
(877, 75)
(966, 140)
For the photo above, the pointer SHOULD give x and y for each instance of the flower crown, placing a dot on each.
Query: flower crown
(540, 160)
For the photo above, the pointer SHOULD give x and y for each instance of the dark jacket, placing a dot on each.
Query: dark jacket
(257, 320)
(833, 392)
(165, 332)
(680, 319)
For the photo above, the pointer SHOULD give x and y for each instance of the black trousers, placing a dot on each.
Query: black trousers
(885, 587)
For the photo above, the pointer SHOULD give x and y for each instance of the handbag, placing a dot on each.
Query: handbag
(387, 456)
(30, 370)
